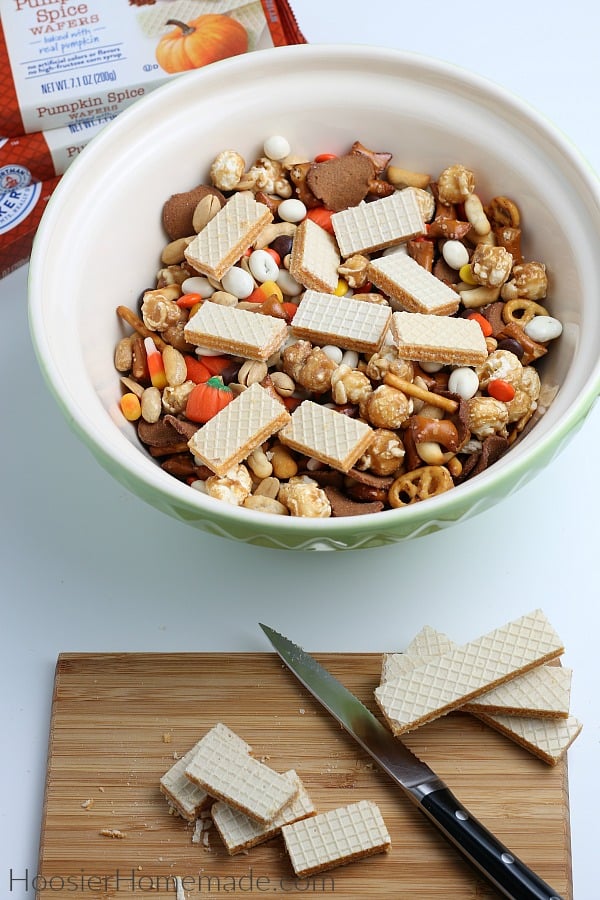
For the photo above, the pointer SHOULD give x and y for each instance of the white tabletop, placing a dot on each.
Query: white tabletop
(88, 567)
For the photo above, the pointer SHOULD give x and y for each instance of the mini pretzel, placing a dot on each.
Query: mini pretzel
(522, 311)
(420, 484)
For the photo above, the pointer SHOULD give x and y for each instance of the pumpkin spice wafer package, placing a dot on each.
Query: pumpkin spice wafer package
(20, 212)
(63, 63)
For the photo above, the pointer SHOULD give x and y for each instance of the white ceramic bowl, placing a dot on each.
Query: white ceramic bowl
(100, 239)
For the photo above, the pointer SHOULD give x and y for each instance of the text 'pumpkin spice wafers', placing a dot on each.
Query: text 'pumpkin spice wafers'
(462, 674)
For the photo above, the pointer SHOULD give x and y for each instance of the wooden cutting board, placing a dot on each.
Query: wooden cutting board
(119, 719)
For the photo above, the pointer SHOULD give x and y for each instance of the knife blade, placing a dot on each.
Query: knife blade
(418, 781)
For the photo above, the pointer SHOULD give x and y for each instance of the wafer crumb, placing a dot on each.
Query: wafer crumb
(87, 804)
(113, 833)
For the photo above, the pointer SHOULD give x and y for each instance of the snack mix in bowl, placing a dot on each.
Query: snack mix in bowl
(335, 336)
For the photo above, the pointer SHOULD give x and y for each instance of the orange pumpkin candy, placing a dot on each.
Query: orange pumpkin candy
(207, 399)
(202, 41)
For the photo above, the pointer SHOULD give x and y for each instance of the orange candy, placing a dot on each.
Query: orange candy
(320, 215)
(500, 389)
(483, 323)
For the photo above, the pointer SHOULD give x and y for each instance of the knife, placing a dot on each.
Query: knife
(432, 796)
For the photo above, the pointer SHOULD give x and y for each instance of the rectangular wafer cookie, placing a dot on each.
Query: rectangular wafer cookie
(220, 244)
(238, 332)
(547, 738)
(187, 798)
(239, 832)
(443, 339)
(322, 433)
(542, 692)
(342, 321)
(228, 773)
(411, 287)
(231, 435)
(314, 258)
(336, 837)
(381, 223)
(433, 689)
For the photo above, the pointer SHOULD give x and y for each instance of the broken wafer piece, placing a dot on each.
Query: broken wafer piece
(544, 692)
(239, 832)
(342, 321)
(228, 773)
(435, 688)
(411, 287)
(336, 837)
(314, 258)
(220, 244)
(187, 798)
(238, 429)
(441, 339)
(238, 332)
(549, 739)
(324, 434)
(379, 224)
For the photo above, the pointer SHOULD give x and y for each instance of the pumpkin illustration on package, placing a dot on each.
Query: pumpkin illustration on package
(202, 41)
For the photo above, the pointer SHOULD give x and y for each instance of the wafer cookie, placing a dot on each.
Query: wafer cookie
(239, 832)
(187, 798)
(336, 837)
(324, 434)
(410, 286)
(228, 773)
(238, 332)
(435, 688)
(440, 339)
(314, 258)
(238, 429)
(549, 739)
(220, 244)
(342, 321)
(381, 223)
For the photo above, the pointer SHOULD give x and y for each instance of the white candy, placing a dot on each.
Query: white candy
(464, 382)
(543, 328)
(334, 353)
(395, 248)
(350, 358)
(277, 147)
(263, 266)
(291, 210)
(198, 284)
(431, 367)
(455, 254)
(238, 282)
(288, 283)
(207, 351)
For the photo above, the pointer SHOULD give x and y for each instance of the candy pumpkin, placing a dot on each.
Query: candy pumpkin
(203, 40)
(207, 399)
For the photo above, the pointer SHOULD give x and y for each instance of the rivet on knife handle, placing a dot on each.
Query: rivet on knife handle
(501, 867)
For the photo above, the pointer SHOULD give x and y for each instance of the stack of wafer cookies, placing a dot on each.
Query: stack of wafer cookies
(250, 803)
(508, 678)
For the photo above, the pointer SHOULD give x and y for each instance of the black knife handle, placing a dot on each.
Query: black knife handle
(511, 876)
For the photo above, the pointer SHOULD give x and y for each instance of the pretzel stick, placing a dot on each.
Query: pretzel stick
(413, 390)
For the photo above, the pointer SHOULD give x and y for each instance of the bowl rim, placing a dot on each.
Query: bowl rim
(471, 494)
